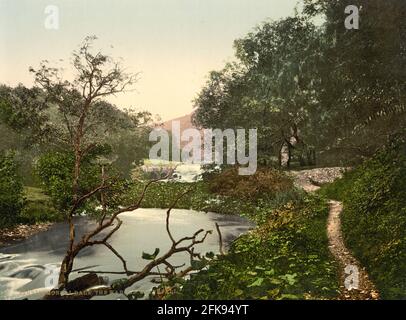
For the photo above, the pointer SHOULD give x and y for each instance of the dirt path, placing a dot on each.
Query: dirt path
(355, 283)
(354, 280)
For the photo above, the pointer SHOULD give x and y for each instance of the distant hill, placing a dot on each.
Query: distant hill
(185, 123)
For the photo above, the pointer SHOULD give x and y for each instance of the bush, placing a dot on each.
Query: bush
(374, 219)
(11, 191)
(55, 170)
(37, 212)
(265, 183)
(339, 187)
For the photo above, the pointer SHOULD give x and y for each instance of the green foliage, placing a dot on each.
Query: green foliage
(374, 219)
(38, 208)
(338, 188)
(11, 191)
(150, 256)
(37, 212)
(285, 258)
(265, 183)
(34, 194)
(327, 89)
(162, 195)
(55, 170)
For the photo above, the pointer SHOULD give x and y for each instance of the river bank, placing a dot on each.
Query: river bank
(21, 232)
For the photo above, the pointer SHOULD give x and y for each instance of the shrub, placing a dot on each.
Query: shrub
(55, 170)
(265, 183)
(11, 191)
(36, 212)
(287, 257)
(374, 220)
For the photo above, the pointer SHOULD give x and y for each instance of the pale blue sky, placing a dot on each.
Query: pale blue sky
(173, 43)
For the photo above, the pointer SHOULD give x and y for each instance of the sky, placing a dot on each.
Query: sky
(173, 44)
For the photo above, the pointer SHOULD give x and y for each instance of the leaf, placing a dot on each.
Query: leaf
(257, 283)
(289, 297)
(270, 272)
(148, 256)
(118, 284)
(238, 292)
(135, 295)
(210, 255)
(289, 278)
(273, 293)
(276, 281)
(198, 264)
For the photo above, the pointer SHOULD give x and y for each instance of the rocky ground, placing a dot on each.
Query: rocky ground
(21, 232)
(311, 180)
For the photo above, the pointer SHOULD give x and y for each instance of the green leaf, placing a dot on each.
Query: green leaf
(210, 255)
(238, 292)
(135, 295)
(198, 264)
(289, 278)
(118, 284)
(289, 297)
(148, 256)
(257, 283)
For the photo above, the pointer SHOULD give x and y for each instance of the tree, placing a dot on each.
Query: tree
(361, 76)
(11, 190)
(314, 88)
(82, 109)
(270, 87)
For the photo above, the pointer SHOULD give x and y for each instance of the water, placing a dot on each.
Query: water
(27, 268)
(183, 172)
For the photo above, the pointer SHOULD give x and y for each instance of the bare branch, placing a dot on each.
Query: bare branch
(220, 239)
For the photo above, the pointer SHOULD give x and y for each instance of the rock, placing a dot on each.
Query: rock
(85, 282)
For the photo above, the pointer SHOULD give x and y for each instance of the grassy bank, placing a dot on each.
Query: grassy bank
(374, 218)
(285, 257)
(37, 208)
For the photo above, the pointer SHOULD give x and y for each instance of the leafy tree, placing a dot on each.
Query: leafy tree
(270, 87)
(361, 76)
(11, 190)
(308, 87)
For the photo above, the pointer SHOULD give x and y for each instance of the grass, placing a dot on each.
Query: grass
(286, 257)
(38, 207)
(374, 218)
(34, 194)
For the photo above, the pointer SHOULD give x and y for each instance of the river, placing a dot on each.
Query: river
(27, 268)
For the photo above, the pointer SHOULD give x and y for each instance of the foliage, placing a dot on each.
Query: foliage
(265, 183)
(11, 191)
(269, 87)
(55, 170)
(287, 257)
(374, 219)
(339, 187)
(162, 195)
(38, 212)
(38, 208)
(307, 87)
